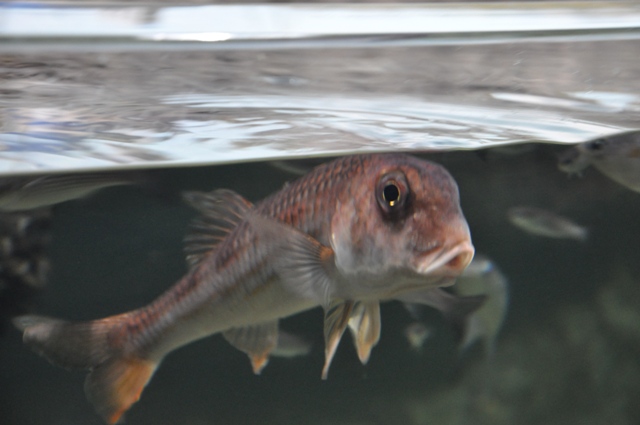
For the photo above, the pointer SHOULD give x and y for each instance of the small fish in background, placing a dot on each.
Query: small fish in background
(573, 161)
(617, 157)
(456, 310)
(507, 150)
(352, 233)
(539, 222)
(290, 345)
(28, 193)
(417, 333)
(297, 167)
(483, 277)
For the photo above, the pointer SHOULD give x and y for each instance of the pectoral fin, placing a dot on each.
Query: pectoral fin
(257, 341)
(365, 328)
(336, 319)
(304, 265)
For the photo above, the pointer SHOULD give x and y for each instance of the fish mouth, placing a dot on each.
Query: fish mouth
(447, 262)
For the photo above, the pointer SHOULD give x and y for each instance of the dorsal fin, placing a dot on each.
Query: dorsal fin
(222, 210)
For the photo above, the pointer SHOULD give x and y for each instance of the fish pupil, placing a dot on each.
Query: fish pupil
(391, 194)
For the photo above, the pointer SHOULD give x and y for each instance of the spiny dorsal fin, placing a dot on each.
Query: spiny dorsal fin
(222, 210)
(257, 341)
(365, 328)
(336, 319)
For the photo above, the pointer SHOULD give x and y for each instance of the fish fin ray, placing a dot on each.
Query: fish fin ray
(222, 210)
(365, 326)
(257, 341)
(80, 345)
(115, 381)
(304, 265)
(114, 386)
(336, 320)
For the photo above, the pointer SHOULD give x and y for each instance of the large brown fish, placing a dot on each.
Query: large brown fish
(351, 233)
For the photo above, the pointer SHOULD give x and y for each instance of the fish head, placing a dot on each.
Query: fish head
(400, 221)
(573, 160)
(623, 145)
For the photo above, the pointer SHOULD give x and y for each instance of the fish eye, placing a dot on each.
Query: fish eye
(392, 192)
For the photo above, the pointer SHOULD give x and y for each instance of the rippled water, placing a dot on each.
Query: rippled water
(171, 99)
(64, 106)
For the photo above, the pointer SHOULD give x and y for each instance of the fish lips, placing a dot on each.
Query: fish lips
(448, 261)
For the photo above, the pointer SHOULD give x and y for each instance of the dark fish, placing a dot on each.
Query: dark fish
(350, 234)
(24, 261)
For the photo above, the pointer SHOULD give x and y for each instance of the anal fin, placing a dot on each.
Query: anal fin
(257, 341)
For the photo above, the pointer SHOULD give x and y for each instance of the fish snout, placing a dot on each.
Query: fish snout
(458, 253)
(461, 256)
(449, 260)
(452, 253)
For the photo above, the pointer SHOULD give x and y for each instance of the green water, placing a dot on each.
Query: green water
(567, 353)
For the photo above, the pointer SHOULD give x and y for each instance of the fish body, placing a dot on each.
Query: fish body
(483, 277)
(617, 157)
(350, 234)
(545, 223)
(27, 193)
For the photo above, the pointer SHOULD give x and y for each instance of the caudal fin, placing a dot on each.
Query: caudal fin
(116, 377)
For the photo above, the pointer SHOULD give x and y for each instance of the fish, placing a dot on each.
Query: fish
(352, 233)
(290, 345)
(540, 222)
(417, 334)
(28, 193)
(483, 277)
(617, 157)
(25, 238)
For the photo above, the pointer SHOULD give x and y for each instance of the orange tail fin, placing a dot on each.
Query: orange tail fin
(115, 385)
(116, 379)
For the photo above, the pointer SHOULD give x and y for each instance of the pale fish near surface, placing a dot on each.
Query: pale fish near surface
(350, 234)
(617, 157)
(27, 193)
(545, 223)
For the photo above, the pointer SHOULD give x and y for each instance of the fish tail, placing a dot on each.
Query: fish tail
(117, 375)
